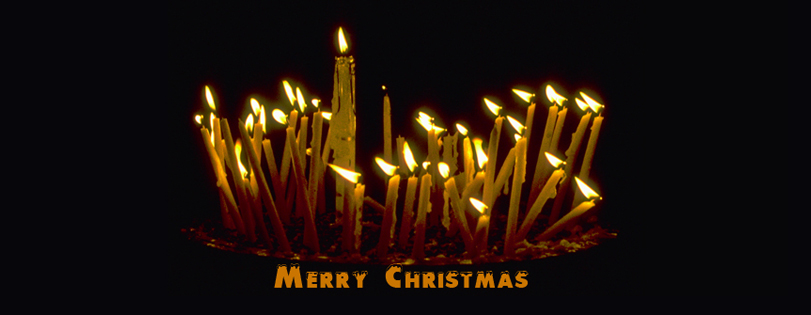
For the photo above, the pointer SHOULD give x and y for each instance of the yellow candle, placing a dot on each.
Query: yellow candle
(595, 133)
(449, 153)
(285, 171)
(310, 234)
(574, 214)
(358, 214)
(474, 186)
(389, 217)
(515, 196)
(481, 226)
(458, 215)
(387, 128)
(547, 192)
(315, 162)
(233, 160)
(505, 171)
(278, 229)
(302, 141)
(571, 159)
(347, 217)
(343, 123)
(540, 165)
(222, 182)
(418, 252)
(408, 211)
(490, 168)
(278, 189)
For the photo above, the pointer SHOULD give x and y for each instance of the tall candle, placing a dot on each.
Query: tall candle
(264, 190)
(592, 144)
(342, 125)
(515, 196)
(387, 128)
(233, 160)
(315, 162)
(285, 171)
(310, 234)
(278, 189)
(449, 153)
(458, 215)
(222, 182)
(490, 172)
(357, 227)
(574, 213)
(547, 192)
(481, 226)
(474, 186)
(540, 164)
(505, 171)
(571, 159)
(553, 146)
(408, 211)
(418, 252)
(389, 217)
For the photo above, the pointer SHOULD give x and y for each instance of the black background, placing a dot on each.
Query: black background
(657, 163)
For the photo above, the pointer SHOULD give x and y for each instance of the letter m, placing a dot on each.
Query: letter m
(282, 274)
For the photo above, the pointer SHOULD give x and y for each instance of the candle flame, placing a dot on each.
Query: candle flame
(586, 190)
(480, 206)
(210, 99)
(492, 106)
(342, 40)
(426, 164)
(255, 106)
(326, 115)
(427, 122)
(409, 157)
(309, 151)
(249, 122)
(480, 155)
(386, 167)
(289, 90)
(592, 103)
(523, 95)
(279, 116)
(315, 102)
(581, 104)
(301, 102)
(198, 119)
(211, 120)
(517, 137)
(517, 125)
(384, 88)
(345, 173)
(444, 169)
(556, 162)
(553, 96)
(238, 149)
(262, 119)
(461, 129)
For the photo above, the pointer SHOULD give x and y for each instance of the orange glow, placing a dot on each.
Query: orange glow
(592, 103)
(326, 115)
(409, 157)
(517, 137)
(198, 119)
(301, 103)
(480, 206)
(480, 155)
(492, 106)
(249, 122)
(210, 99)
(581, 104)
(517, 125)
(279, 116)
(262, 119)
(384, 88)
(309, 151)
(386, 167)
(315, 102)
(523, 95)
(427, 122)
(556, 162)
(426, 164)
(553, 96)
(212, 127)
(238, 149)
(342, 40)
(345, 173)
(461, 129)
(444, 169)
(585, 189)
(289, 90)
(255, 106)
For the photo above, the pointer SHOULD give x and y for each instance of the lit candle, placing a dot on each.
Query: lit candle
(222, 182)
(314, 179)
(411, 191)
(243, 192)
(595, 133)
(481, 225)
(348, 219)
(574, 213)
(226, 219)
(515, 195)
(342, 127)
(389, 216)
(527, 97)
(286, 155)
(418, 252)
(467, 149)
(278, 189)
(541, 169)
(458, 215)
(449, 152)
(278, 229)
(387, 127)
(571, 158)
(547, 192)
(310, 234)
(490, 170)
(505, 171)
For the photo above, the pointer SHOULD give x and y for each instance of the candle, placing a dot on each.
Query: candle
(547, 192)
(481, 225)
(387, 127)
(554, 124)
(310, 234)
(389, 216)
(505, 171)
(314, 179)
(343, 121)
(356, 217)
(458, 215)
(403, 169)
(411, 190)
(474, 186)
(449, 153)
(418, 252)
(571, 158)
(278, 189)
(243, 191)
(233, 210)
(278, 229)
(490, 170)
(515, 196)
(595, 133)
(286, 155)
(467, 149)
(348, 218)
(574, 214)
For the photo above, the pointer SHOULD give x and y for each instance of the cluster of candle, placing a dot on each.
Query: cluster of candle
(301, 192)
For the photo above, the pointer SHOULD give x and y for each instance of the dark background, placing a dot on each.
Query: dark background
(660, 151)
